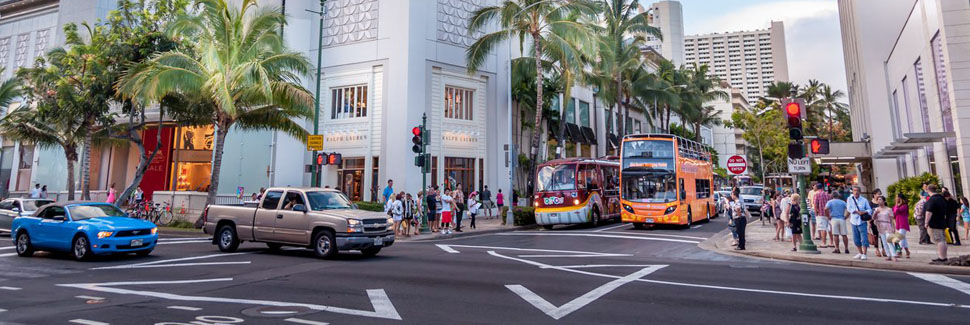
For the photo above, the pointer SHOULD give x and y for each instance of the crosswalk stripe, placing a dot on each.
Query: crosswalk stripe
(944, 281)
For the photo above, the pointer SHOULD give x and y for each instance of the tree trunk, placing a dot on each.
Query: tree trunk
(667, 120)
(620, 109)
(71, 154)
(697, 133)
(831, 117)
(567, 96)
(538, 121)
(626, 108)
(221, 130)
(143, 160)
(761, 158)
(86, 166)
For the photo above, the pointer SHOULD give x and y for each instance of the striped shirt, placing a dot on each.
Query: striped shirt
(819, 201)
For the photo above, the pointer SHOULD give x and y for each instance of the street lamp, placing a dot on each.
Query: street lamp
(315, 176)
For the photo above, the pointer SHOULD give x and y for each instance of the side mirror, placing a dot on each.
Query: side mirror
(59, 218)
(300, 208)
(15, 209)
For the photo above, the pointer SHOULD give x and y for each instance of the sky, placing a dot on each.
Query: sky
(812, 33)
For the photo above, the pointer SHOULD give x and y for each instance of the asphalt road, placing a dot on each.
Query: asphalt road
(606, 275)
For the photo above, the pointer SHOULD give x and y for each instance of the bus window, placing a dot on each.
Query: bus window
(582, 177)
(557, 178)
(703, 188)
(683, 190)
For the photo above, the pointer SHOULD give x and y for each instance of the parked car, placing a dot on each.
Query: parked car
(752, 197)
(323, 220)
(12, 208)
(721, 197)
(83, 229)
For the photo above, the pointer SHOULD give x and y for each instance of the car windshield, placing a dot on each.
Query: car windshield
(328, 201)
(557, 178)
(751, 191)
(649, 187)
(88, 211)
(32, 205)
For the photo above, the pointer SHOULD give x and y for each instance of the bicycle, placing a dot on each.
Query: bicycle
(160, 213)
(138, 210)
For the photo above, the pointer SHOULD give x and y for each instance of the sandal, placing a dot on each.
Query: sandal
(794, 249)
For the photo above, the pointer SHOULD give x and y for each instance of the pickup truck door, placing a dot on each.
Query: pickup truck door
(265, 218)
(291, 226)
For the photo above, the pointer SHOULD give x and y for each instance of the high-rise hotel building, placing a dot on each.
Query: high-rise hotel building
(748, 60)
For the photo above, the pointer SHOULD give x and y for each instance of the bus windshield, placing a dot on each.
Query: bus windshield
(557, 178)
(649, 171)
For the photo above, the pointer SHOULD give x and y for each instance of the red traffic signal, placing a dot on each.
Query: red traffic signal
(416, 131)
(321, 159)
(793, 109)
(819, 146)
(334, 159)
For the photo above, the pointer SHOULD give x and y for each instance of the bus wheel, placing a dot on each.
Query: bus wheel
(596, 218)
(690, 217)
(547, 227)
(708, 213)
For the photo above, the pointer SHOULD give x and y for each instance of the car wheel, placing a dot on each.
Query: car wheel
(228, 241)
(144, 252)
(24, 248)
(370, 251)
(81, 248)
(547, 227)
(274, 246)
(638, 226)
(324, 244)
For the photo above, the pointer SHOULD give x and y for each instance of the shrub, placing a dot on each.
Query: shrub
(181, 223)
(524, 216)
(370, 206)
(910, 188)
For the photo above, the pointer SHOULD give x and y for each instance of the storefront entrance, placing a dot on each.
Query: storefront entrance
(184, 162)
(351, 177)
(460, 171)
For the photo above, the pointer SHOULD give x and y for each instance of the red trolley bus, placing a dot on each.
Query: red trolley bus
(577, 191)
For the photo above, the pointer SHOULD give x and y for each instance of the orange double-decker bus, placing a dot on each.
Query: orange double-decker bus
(665, 179)
(577, 191)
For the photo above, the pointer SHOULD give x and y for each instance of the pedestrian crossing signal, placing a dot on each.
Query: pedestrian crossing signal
(819, 146)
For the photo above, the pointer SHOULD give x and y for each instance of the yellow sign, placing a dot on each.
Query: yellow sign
(314, 143)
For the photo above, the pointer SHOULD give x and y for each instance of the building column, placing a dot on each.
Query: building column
(955, 17)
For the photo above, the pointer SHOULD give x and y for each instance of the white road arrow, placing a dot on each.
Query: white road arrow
(574, 305)
(383, 308)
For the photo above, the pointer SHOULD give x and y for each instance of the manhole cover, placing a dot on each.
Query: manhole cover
(277, 311)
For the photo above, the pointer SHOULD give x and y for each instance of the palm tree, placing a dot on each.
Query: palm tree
(829, 101)
(242, 74)
(527, 19)
(781, 89)
(624, 31)
(568, 54)
(701, 88)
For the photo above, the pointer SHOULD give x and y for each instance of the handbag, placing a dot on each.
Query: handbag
(866, 217)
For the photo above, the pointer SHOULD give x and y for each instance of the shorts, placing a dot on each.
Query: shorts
(860, 235)
(838, 227)
(431, 216)
(398, 217)
(822, 224)
(445, 216)
(937, 235)
(488, 204)
(966, 220)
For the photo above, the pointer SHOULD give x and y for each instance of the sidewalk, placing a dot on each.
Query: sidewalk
(482, 226)
(760, 244)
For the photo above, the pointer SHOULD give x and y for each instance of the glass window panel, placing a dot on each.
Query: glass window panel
(583, 113)
(570, 114)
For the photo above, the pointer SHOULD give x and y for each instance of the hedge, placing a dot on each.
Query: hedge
(524, 216)
(910, 188)
(370, 206)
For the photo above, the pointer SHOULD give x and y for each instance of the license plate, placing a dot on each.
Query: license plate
(648, 220)
(136, 242)
(379, 241)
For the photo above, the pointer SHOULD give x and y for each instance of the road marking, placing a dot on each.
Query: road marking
(691, 285)
(8, 247)
(8, 254)
(184, 242)
(944, 281)
(9, 288)
(86, 322)
(2, 310)
(579, 302)
(303, 321)
(89, 297)
(602, 236)
(599, 265)
(697, 226)
(575, 253)
(611, 227)
(167, 263)
(184, 308)
(383, 308)
(633, 233)
(278, 312)
(185, 238)
(447, 248)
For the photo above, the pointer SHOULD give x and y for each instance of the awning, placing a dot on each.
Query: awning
(613, 140)
(590, 135)
(911, 142)
(575, 133)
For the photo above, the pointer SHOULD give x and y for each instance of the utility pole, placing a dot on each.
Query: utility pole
(315, 175)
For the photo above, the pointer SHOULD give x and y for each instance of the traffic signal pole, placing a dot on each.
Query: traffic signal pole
(795, 111)
(316, 169)
(425, 228)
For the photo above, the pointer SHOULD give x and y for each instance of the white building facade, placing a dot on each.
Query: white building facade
(749, 60)
(668, 16)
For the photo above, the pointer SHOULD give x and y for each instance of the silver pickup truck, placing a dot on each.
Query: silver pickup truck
(323, 220)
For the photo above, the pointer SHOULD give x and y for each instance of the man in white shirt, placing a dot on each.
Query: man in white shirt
(858, 206)
(785, 206)
(35, 193)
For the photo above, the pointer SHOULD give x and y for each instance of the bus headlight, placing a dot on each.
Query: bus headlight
(628, 208)
(575, 201)
(670, 209)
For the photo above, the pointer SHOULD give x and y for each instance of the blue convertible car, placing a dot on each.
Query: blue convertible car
(84, 229)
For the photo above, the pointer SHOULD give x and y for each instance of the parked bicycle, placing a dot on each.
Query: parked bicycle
(157, 213)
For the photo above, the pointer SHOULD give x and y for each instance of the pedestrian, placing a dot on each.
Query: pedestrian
(420, 210)
(811, 210)
(860, 213)
(500, 201)
(901, 214)
(112, 194)
(795, 220)
(837, 210)
(409, 213)
(262, 190)
(883, 217)
(35, 192)
(473, 207)
(388, 191)
(953, 213)
(397, 212)
(918, 212)
(874, 230)
(779, 223)
(43, 192)
(731, 224)
(740, 220)
(487, 204)
(785, 214)
(459, 199)
(935, 215)
(432, 211)
(822, 219)
(447, 206)
(965, 217)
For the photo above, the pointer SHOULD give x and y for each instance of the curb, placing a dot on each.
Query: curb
(711, 244)
(475, 233)
(181, 231)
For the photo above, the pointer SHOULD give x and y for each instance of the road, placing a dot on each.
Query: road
(612, 274)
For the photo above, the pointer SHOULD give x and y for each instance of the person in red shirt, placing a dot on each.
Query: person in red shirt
(822, 218)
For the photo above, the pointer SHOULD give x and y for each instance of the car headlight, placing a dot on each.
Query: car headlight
(355, 225)
(670, 209)
(353, 222)
(103, 234)
(154, 230)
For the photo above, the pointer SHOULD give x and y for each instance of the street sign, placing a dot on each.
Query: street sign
(314, 143)
(736, 165)
(799, 166)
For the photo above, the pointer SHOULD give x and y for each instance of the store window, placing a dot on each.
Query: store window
(375, 178)
(26, 163)
(351, 178)
(459, 103)
(924, 111)
(570, 114)
(434, 172)
(459, 171)
(192, 158)
(584, 114)
(909, 114)
(348, 102)
(481, 173)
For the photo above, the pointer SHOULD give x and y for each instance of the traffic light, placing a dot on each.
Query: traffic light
(418, 140)
(334, 159)
(819, 146)
(794, 111)
(321, 159)
(419, 161)
(795, 151)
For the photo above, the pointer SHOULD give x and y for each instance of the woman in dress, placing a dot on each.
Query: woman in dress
(965, 216)
(779, 221)
(901, 214)
(883, 218)
(795, 220)
(111, 194)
